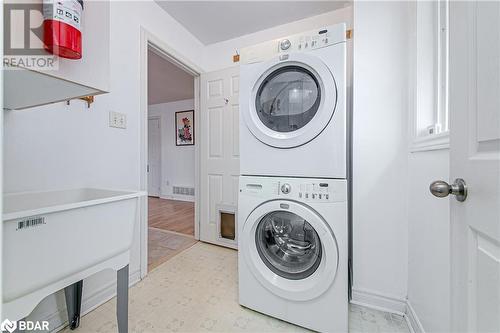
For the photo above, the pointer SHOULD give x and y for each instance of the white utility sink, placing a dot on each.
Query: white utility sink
(54, 239)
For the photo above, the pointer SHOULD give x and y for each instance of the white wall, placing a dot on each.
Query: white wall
(57, 146)
(177, 162)
(429, 241)
(380, 155)
(220, 55)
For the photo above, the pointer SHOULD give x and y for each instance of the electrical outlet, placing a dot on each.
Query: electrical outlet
(117, 120)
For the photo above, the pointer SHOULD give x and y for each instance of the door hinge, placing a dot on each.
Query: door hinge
(348, 34)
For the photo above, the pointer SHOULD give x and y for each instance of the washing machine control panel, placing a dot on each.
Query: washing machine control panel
(308, 191)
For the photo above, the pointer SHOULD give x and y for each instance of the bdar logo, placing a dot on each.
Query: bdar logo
(8, 325)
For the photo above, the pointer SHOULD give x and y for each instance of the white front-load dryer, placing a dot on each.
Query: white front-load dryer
(293, 106)
(292, 258)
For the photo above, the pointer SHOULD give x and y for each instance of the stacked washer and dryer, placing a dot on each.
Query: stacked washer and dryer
(292, 206)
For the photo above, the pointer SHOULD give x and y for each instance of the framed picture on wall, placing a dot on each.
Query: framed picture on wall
(184, 128)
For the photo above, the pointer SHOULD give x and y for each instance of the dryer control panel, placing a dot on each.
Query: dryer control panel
(309, 41)
(303, 42)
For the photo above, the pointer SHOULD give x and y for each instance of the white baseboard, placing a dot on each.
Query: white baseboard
(412, 319)
(59, 319)
(378, 301)
(391, 304)
(188, 198)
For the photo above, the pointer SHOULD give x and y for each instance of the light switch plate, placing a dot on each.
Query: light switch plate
(117, 120)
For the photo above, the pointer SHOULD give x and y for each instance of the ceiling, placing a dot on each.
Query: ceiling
(167, 82)
(215, 21)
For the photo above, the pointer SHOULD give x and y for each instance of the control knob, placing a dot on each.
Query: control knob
(286, 188)
(285, 44)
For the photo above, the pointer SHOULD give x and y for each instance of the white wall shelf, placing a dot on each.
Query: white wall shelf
(26, 88)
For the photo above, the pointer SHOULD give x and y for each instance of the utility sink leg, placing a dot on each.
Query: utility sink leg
(73, 295)
(122, 299)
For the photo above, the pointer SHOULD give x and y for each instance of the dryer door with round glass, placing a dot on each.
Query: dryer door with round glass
(292, 101)
(288, 99)
(290, 249)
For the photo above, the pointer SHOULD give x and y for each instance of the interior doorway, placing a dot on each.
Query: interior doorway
(171, 158)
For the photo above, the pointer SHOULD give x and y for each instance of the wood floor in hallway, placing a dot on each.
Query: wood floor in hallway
(171, 215)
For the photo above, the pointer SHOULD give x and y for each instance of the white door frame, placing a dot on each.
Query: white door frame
(161, 162)
(148, 40)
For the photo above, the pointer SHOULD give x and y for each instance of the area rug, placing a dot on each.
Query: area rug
(164, 245)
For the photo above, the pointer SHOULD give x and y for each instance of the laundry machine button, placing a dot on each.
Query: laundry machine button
(286, 188)
(285, 44)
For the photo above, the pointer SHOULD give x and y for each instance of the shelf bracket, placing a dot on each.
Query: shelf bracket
(88, 99)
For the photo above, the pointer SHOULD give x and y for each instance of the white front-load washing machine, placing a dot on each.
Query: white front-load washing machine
(293, 106)
(292, 258)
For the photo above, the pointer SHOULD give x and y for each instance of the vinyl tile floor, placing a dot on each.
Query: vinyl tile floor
(197, 291)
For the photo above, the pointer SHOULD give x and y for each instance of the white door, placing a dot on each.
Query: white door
(154, 157)
(219, 145)
(475, 157)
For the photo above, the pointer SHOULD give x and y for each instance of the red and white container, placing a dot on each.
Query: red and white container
(62, 27)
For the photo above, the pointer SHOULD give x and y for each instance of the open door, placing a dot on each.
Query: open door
(475, 158)
(154, 157)
(219, 156)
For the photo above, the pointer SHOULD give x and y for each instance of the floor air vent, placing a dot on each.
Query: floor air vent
(184, 190)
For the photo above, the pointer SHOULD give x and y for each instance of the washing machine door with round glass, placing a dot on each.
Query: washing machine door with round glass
(292, 101)
(288, 245)
(290, 249)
